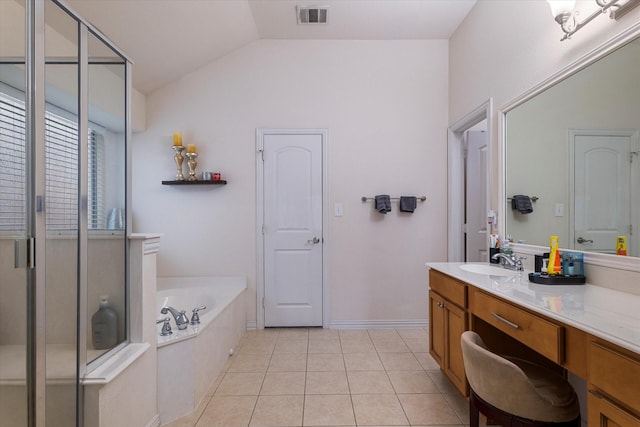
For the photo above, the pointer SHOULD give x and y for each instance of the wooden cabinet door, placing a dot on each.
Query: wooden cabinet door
(437, 336)
(456, 324)
(603, 413)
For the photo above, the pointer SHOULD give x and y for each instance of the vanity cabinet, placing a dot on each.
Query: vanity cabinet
(447, 321)
(614, 385)
(511, 323)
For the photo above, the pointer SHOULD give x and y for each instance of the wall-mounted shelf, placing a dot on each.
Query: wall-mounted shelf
(173, 182)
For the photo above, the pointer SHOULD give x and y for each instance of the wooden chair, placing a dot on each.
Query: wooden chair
(514, 392)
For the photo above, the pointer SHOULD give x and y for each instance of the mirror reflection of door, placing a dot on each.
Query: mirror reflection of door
(476, 160)
(602, 170)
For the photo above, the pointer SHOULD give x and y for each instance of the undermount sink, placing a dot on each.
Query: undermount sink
(488, 270)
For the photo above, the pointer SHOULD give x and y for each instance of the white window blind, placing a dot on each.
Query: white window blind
(61, 145)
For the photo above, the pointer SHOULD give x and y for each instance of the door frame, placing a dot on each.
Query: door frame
(260, 134)
(455, 200)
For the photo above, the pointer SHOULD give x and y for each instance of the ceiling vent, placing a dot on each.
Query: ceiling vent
(312, 14)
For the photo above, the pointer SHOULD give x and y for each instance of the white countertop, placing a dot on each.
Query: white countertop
(605, 313)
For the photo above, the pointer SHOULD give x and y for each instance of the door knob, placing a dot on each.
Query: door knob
(315, 241)
(582, 240)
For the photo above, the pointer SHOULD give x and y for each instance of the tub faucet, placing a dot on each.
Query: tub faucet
(510, 261)
(180, 316)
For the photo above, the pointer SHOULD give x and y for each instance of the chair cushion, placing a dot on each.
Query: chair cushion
(559, 400)
(516, 386)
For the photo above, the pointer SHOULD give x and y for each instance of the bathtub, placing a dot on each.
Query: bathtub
(189, 361)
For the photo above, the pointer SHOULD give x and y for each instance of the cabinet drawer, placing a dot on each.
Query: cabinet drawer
(448, 287)
(615, 374)
(541, 335)
(606, 414)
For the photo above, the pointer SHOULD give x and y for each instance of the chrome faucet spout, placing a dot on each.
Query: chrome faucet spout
(179, 316)
(509, 261)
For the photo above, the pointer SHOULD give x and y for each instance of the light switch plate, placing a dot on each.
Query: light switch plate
(338, 209)
(559, 209)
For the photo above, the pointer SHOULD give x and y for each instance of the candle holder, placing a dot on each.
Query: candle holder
(191, 163)
(178, 159)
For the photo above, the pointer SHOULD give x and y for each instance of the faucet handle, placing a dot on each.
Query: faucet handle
(166, 327)
(195, 317)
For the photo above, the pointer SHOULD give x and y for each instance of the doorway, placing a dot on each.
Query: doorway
(291, 183)
(476, 171)
(603, 195)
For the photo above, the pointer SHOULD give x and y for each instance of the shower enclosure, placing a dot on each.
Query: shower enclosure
(64, 195)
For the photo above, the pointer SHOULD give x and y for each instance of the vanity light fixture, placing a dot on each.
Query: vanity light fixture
(566, 16)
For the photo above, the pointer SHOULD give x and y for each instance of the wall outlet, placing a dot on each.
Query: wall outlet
(559, 209)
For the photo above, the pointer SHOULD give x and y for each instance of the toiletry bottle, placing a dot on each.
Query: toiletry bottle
(621, 245)
(104, 326)
(554, 266)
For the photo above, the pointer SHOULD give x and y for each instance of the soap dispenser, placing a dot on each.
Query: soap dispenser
(104, 326)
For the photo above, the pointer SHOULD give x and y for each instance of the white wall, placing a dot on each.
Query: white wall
(385, 105)
(504, 48)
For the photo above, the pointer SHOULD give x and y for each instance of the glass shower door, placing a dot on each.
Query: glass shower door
(63, 212)
(14, 277)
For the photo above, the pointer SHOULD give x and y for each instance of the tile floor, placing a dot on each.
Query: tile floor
(330, 377)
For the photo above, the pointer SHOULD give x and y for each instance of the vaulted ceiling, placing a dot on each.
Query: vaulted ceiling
(169, 38)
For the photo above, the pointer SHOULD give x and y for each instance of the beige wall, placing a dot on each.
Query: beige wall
(503, 49)
(385, 105)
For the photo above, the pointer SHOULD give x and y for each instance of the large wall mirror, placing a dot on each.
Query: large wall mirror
(573, 147)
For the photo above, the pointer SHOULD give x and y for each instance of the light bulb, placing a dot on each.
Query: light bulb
(560, 7)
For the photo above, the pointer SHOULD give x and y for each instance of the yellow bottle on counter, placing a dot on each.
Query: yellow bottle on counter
(554, 266)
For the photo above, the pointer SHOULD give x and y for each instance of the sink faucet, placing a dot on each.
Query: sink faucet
(180, 316)
(509, 261)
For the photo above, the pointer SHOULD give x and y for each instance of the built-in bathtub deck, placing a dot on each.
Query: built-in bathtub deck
(189, 361)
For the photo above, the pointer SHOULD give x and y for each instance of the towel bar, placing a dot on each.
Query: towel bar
(533, 198)
(365, 198)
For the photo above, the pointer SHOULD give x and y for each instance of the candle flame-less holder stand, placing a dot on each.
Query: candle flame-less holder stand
(192, 163)
(178, 159)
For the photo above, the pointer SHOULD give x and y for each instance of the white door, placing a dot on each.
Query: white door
(476, 192)
(292, 229)
(602, 194)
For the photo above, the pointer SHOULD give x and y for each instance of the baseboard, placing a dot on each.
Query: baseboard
(378, 324)
(155, 421)
(367, 324)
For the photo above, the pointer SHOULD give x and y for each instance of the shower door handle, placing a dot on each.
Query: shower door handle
(25, 253)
